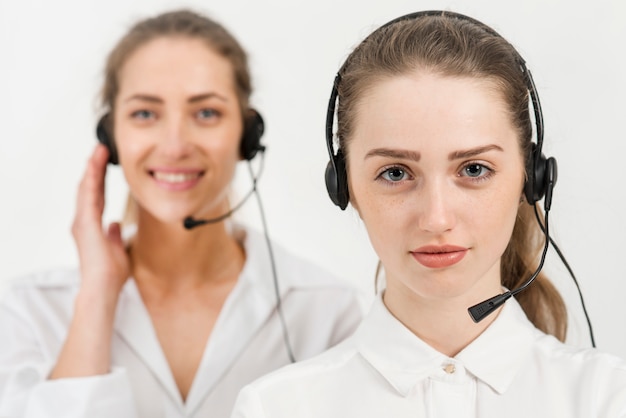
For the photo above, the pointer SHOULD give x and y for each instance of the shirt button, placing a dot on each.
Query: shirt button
(449, 368)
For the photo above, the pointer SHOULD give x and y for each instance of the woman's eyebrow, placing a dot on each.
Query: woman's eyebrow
(204, 96)
(393, 153)
(193, 99)
(472, 152)
(144, 98)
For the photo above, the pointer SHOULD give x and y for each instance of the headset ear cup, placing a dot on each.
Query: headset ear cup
(552, 173)
(103, 130)
(535, 186)
(337, 181)
(252, 133)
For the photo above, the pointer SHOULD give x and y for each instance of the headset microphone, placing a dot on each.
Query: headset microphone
(189, 222)
(481, 310)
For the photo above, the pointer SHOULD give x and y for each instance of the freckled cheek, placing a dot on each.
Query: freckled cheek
(498, 216)
(385, 218)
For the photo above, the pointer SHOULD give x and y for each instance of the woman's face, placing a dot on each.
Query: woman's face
(436, 174)
(178, 126)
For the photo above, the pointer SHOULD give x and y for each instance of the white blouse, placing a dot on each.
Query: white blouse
(511, 370)
(246, 342)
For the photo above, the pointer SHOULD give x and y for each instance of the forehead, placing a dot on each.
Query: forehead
(421, 108)
(175, 61)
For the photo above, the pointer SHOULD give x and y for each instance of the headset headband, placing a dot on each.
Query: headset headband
(336, 178)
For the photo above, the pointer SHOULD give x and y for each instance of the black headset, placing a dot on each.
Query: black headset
(248, 148)
(539, 171)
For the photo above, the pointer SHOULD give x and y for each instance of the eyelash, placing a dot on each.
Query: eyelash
(144, 114)
(489, 171)
(136, 114)
(385, 170)
(214, 113)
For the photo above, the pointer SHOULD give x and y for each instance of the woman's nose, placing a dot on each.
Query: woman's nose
(437, 207)
(176, 143)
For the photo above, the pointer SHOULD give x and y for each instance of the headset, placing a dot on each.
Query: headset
(538, 168)
(541, 172)
(249, 146)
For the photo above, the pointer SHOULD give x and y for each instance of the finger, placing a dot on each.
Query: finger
(94, 184)
(90, 196)
(114, 233)
(97, 168)
(101, 155)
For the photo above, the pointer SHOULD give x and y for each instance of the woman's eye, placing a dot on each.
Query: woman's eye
(142, 114)
(394, 174)
(207, 114)
(475, 170)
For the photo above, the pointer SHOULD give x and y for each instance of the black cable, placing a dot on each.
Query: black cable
(279, 308)
(571, 272)
(543, 257)
(483, 309)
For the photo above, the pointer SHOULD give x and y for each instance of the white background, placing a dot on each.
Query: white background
(51, 58)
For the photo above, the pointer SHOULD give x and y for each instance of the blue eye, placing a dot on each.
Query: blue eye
(207, 114)
(142, 114)
(475, 170)
(394, 174)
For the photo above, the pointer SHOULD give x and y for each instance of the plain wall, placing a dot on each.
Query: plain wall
(51, 58)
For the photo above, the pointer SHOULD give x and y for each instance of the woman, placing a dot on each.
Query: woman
(173, 322)
(435, 154)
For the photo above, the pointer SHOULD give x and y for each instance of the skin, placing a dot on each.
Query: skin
(435, 161)
(177, 129)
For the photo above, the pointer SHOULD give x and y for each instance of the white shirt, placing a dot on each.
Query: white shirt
(246, 342)
(511, 370)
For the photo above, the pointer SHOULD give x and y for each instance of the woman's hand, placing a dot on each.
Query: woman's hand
(104, 263)
(104, 268)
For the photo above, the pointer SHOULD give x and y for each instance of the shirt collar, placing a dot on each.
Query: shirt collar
(403, 359)
(246, 308)
(497, 355)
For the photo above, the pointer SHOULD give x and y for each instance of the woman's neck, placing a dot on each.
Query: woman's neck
(170, 257)
(443, 323)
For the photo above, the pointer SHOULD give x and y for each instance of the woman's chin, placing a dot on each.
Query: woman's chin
(166, 215)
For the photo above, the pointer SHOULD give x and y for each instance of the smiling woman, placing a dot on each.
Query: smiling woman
(172, 322)
(188, 113)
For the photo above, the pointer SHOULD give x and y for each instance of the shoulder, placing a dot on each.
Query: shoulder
(324, 386)
(38, 289)
(58, 279)
(314, 298)
(596, 379)
(329, 367)
(294, 270)
(591, 365)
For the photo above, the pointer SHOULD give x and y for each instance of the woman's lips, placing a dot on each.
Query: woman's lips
(435, 256)
(176, 179)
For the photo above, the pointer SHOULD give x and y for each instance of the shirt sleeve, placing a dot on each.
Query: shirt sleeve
(248, 405)
(610, 388)
(26, 392)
